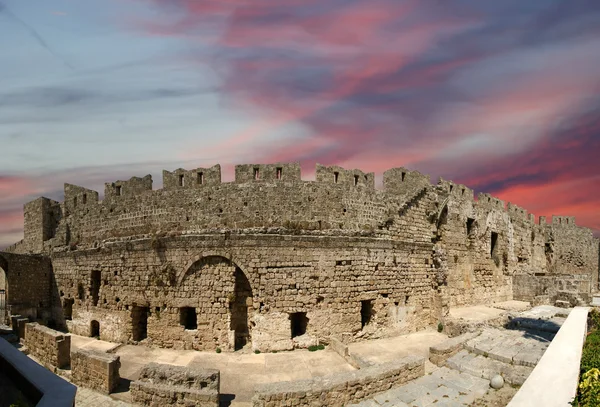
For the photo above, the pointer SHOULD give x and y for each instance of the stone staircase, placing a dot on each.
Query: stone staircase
(510, 353)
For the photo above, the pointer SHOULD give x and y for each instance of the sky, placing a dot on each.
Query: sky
(503, 96)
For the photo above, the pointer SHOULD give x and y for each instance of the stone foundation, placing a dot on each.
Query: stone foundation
(166, 385)
(51, 348)
(340, 389)
(95, 370)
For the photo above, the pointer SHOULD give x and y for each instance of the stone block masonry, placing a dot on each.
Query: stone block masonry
(276, 262)
(340, 389)
(95, 370)
(166, 385)
(51, 348)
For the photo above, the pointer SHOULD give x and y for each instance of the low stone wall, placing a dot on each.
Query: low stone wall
(95, 370)
(340, 389)
(51, 348)
(166, 385)
(438, 354)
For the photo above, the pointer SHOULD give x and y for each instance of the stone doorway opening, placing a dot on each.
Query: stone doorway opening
(299, 323)
(139, 323)
(95, 329)
(239, 308)
(366, 312)
(68, 308)
(3, 296)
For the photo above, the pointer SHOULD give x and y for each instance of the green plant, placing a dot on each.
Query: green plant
(588, 394)
(313, 348)
(440, 327)
(218, 350)
(256, 351)
(321, 347)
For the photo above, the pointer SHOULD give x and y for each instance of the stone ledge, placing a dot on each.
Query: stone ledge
(558, 369)
(438, 354)
(168, 385)
(340, 389)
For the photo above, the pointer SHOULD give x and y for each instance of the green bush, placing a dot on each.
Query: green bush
(440, 327)
(321, 347)
(218, 350)
(588, 394)
(257, 351)
(313, 348)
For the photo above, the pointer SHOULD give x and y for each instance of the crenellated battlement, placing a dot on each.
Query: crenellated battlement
(261, 195)
(134, 186)
(563, 220)
(457, 191)
(196, 178)
(516, 212)
(487, 200)
(338, 175)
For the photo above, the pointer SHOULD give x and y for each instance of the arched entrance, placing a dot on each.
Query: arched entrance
(239, 310)
(214, 297)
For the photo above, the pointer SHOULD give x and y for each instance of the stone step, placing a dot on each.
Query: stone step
(512, 347)
(596, 300)
(486, 368)
(443, 387)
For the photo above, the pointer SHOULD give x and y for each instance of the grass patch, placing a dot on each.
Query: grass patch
(588, 390)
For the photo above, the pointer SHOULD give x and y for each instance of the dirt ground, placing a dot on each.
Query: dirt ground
(496, 398)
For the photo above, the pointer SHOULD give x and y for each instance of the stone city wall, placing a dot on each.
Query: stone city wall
(279, 262)
(50, 347)
(340, 389)
(166, 385)
(95, 370)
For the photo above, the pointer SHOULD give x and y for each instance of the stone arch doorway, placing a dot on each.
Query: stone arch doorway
(214, 297)
(239, 309)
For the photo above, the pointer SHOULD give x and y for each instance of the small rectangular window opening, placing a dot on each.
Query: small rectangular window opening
(494, 243)
(355, 180)
(187, 318)
(84, 199)
(74, 201)
(118, 190)
(451, 188)
(336, 176)
(278, 173)
(470, 222)
(299, 323)
(181, 180)
(403, 176)
(200, 178)
(256, 174)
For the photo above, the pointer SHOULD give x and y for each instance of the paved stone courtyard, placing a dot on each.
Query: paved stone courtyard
(510, 352)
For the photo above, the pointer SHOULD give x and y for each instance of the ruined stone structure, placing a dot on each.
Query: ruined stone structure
(275, 262)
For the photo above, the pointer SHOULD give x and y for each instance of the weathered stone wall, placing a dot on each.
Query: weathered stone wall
(28, 285)
(50, 347)
(201, 264)
(340, 389)
(326, 277)
(95, 370)
(166, 385)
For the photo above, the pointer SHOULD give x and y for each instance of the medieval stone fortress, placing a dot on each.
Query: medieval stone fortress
(271, 262)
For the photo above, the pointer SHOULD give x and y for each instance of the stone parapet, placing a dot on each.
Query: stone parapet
(95, 370)
(167, 385)
(52, 348)
(340, 389)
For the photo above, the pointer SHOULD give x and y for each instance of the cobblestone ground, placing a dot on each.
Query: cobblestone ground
(443, 388)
